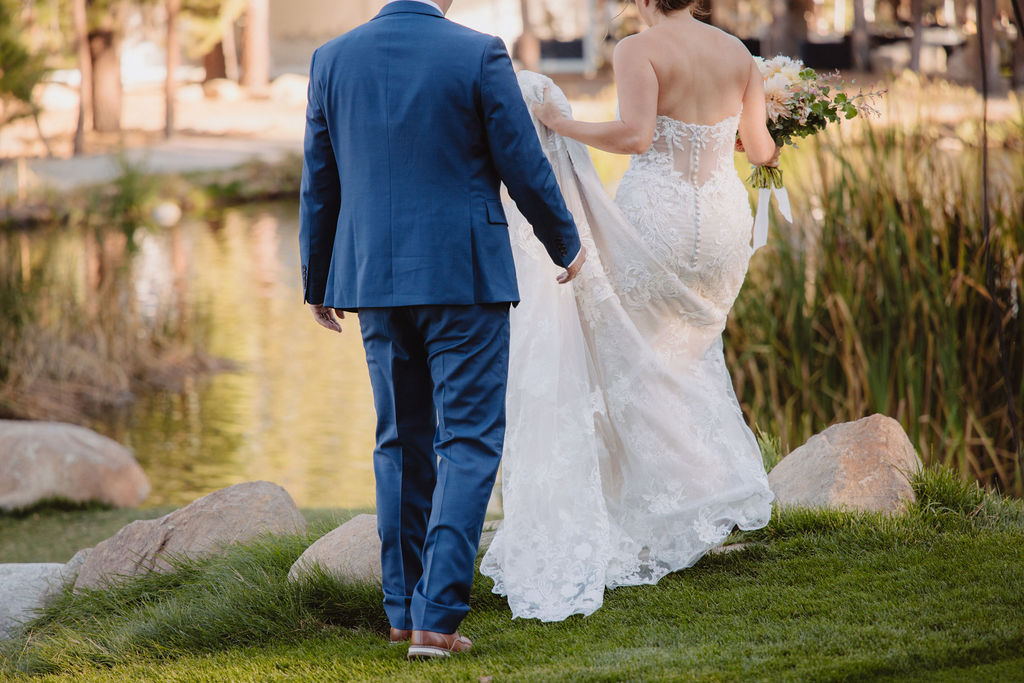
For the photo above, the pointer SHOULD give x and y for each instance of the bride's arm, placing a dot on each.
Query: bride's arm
(756, 140)
(637, 87)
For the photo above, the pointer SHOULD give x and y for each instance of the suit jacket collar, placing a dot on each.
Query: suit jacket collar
(409, 6)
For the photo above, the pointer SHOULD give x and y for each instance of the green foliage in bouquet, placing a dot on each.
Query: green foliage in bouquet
(800, 102)
(814, 108)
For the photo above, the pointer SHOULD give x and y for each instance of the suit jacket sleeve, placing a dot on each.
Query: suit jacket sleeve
(519, 159)
(319, 197)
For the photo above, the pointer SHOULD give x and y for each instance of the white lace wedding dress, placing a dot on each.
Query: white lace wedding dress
(626, 455)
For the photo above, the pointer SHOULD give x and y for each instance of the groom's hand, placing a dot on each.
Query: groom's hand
(574, 268)
(325, 316)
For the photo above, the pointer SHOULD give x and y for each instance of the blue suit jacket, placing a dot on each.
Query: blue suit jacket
(413, 122)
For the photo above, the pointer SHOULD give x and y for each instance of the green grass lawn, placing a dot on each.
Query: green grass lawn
(936, 593)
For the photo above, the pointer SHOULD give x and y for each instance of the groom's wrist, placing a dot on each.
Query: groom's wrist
(575, 261)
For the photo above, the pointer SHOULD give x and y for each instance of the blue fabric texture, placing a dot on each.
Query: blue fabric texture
(412, 124)
(438, 375)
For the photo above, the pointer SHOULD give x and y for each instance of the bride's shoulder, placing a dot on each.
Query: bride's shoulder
(632, 44)
(633, 52)
(727, 42)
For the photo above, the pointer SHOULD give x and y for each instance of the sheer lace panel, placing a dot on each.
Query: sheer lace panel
(695, 152)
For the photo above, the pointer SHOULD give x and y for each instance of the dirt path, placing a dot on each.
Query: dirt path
(212, 134)
(180, 154)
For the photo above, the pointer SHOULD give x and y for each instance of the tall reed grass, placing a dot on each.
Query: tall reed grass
(73, 340)
(877, 300)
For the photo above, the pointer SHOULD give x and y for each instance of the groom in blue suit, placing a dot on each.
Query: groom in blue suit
(413, 122)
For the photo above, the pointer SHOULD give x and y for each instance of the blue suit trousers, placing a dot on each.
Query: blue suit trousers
(438, 374)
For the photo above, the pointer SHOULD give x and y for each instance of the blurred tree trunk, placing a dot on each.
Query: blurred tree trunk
(173, 55)
(1018, 59)
(230, 50)
(256, 46)
(105, 51)
(78, 19)
(214, 63)
(917, 25)
(989, 43)
(860, 38)
(104, 45)
(789, 30)
(529, 45)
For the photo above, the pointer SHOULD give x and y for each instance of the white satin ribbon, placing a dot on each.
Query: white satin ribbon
(761, 219)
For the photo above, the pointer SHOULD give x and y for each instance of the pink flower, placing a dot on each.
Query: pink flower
(778, 97)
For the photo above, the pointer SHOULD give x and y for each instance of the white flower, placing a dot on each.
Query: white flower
(791, 71)
(763, 66)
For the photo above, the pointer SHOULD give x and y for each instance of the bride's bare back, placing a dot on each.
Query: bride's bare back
(702, 72)
(683, 69)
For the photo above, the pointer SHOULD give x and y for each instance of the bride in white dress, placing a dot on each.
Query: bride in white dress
(626, 455)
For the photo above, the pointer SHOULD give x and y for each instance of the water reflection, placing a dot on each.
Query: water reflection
(297, 411)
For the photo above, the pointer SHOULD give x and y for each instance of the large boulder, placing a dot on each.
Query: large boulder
(43, 460)
(74, 565)
(24, 589)
(350, 552)
(862, 465)
(235, 514)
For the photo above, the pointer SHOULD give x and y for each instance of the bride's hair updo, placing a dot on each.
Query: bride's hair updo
(669, 6)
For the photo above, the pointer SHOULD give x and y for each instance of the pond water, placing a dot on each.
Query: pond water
(296, 410)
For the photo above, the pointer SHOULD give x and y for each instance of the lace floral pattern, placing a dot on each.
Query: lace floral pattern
(626, 454)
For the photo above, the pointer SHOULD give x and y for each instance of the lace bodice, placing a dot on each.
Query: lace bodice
(690, 207)
(692, 152)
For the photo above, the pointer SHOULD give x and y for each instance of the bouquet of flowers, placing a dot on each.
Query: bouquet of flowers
(801, 103)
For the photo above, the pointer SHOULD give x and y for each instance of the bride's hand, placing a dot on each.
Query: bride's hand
(546, 111)
(774, 163)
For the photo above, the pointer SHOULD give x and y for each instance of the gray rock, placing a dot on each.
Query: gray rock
(25, 588)
(486, 538)
(166, 214)
(73, 566)
(862, 465)
(351, 552)
(731, 548)
(235, 514)
(41, 460)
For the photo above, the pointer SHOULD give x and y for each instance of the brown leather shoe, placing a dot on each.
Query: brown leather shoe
(428, 644)
(400, 635)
